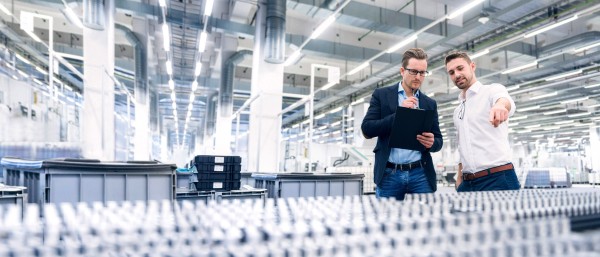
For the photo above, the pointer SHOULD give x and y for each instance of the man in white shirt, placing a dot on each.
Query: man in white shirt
(482, 127)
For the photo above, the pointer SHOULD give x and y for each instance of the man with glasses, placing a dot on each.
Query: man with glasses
(401, 171)
(482, 131)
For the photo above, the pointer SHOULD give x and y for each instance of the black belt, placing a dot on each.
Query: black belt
(404, 166)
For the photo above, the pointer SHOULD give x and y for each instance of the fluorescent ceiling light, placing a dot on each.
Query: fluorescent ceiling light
(581, 124)
(198, 69)
(528, 108)
(464, 9)
(292, 58)
(174, 105)
(202, 42)
(320, 116)
(38, 82)
(322, 127)
(322, 27)
(171, 84)
(479, 54)
(23, 74)
(194, 86)
(360, 67)
(544, 29)
(328, 86)
(544, 96)
(296, 125)
(593, 86)
(34, 36)
(72, 17)
(555, 112)
(564, 75)
(173, 96)
(192, 96)
(593, 106)
(578, 115)
(166, 37)
(564, 122)
(162, 3)
(169, 67)
(586, 47)
(361, 100)
(41, 70)
(552, 128)
(575, 100)
(520, 67)
(22, 58)
(336, 123)
(336, 110)
(401, 44)
(175, 114)
(513, 88)
(208, 7)
(533, 126)
(5, 10)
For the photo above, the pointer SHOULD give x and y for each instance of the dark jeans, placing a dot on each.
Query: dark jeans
(504, 180)
(397, 183)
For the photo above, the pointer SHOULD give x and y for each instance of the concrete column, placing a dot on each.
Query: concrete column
(142, 136)
(225, 110)
(265, 124)
(98, 126)
(360, 110)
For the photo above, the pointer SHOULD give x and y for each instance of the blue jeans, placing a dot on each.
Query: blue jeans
(504, 180)
(397, 183)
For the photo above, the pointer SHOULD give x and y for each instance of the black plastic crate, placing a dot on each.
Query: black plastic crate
(202, 159)
(217, 186)
(213, 176)
(204, 167)
(234, 167)
(232, 185)
(236, 176)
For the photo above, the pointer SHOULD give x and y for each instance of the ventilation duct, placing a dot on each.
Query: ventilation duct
(275, 32)
(211, 116)
(331, 4)
(226, 90)
(93, 14)
(139, 56)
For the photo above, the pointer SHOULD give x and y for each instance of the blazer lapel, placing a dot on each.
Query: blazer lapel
(423, 103)
(393, 98)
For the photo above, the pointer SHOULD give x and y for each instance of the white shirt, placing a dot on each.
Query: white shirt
(480, 144)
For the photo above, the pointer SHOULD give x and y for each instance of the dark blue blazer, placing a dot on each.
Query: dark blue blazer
(378, 123)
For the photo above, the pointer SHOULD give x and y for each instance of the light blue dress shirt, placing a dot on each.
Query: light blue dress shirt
(398, 155)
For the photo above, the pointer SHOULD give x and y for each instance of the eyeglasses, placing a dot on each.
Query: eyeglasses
(423, 73)
(461, 110)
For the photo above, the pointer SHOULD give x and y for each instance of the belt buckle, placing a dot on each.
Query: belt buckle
(468, 176)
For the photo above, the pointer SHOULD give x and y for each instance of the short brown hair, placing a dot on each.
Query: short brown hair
(457, 54)
(416, 53)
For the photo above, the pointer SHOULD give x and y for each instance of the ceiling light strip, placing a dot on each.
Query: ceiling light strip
(544, 29)
(534, 63)
(464, 9)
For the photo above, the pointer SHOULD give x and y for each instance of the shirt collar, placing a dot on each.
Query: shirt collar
(473, 89)
(401, 90)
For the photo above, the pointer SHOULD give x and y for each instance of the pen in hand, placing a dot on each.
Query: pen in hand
(410, 102)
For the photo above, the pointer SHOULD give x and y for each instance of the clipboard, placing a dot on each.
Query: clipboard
(408, 123)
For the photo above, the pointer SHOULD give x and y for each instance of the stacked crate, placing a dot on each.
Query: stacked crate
(219, 173)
